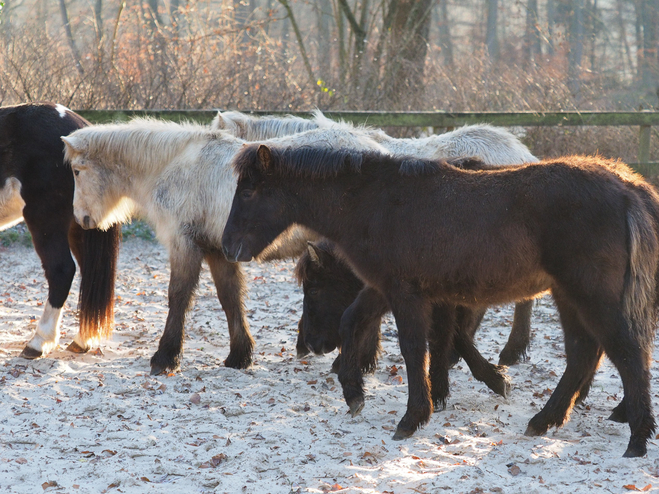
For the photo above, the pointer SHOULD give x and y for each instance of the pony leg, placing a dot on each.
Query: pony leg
(413, 317)
(440, 344)
(230, 285)
(52, 246)
(367, 303)
(185, 269)
(494, 376)
(583, 357)
(515, 350)
(633, 363)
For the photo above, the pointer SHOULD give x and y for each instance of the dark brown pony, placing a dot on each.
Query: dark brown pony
(422, 232)
(37, 185)
(330, 287)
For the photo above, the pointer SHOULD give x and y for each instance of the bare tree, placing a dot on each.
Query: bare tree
(69, 36)
(533, 39)
(445, 41)
(575, 36)
(491, 38)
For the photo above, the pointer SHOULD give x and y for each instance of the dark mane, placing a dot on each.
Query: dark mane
(415, 167)
(310, 162)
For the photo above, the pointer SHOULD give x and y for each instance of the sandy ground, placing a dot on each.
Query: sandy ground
(100, 423)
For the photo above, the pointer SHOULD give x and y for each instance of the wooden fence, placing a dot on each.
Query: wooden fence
(643, 119)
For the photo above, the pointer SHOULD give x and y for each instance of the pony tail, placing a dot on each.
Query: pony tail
(639, 297)
(98, 271)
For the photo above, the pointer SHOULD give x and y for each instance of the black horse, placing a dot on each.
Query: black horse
(37, 186)
(425, 232)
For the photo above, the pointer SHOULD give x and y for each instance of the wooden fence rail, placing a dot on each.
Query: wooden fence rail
(643, 119)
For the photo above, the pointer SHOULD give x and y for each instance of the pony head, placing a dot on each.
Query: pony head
(255, 220)
(96, 204)
(329, 287)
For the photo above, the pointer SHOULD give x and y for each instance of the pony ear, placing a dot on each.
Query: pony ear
(218, 122)
(74, 144)
(314, 253)
(265, 156)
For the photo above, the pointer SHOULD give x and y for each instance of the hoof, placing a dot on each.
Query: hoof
(509, 358)
(75, 348)
(356, 405)
(336, 365)
(238, 362)
(402, 434)
(503, 388)
(532, 431)
(635, 451)
(30, 353)
(157, 370)
(302, 353)
(439, 405)
(619, 414)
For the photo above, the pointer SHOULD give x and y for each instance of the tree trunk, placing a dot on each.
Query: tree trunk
(323, 16)
(649, 76)
(98, 19)
(576, 35)
(551, 25)
(69, 37)
(445, 41)
(406, 55)
(491, 39)
(532, 41)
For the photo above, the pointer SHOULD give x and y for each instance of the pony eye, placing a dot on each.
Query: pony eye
(246, 193)
(76, 172)
(313, 291)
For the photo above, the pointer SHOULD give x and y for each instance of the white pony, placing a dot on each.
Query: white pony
(492, 145)
(180, 180)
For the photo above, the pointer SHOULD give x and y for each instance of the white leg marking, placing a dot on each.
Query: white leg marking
(47, 335)
(61, 109)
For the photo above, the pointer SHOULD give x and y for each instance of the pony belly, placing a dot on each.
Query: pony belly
(11, 204)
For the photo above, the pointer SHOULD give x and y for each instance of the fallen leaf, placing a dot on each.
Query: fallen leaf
(50, 483)
(647, 488)
(218, 459)
(514, 470)
(144, 479)
(312, 382)
(21, 461)
(335, 487)
(630, 487)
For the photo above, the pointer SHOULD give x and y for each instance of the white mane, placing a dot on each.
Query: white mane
(253, 128)
(146, 142)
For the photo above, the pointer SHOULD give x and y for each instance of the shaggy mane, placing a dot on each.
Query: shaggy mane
(253, 128)
(145, 141)
(310, 162)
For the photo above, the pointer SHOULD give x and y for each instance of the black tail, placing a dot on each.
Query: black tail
(98, 271)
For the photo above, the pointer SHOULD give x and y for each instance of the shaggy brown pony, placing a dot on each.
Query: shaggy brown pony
(424, 232)
(330, 287)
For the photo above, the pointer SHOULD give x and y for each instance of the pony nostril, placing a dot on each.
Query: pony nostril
(85, 221)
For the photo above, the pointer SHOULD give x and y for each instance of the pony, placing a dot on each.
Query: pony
(424, 232)
(36, 186)
(330, 287)
(178, 177)
(494, 146)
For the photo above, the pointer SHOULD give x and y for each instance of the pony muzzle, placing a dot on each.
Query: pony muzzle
(86, 222)
(234, 254)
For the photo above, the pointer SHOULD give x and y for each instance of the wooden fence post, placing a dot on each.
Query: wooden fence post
(644, 150)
